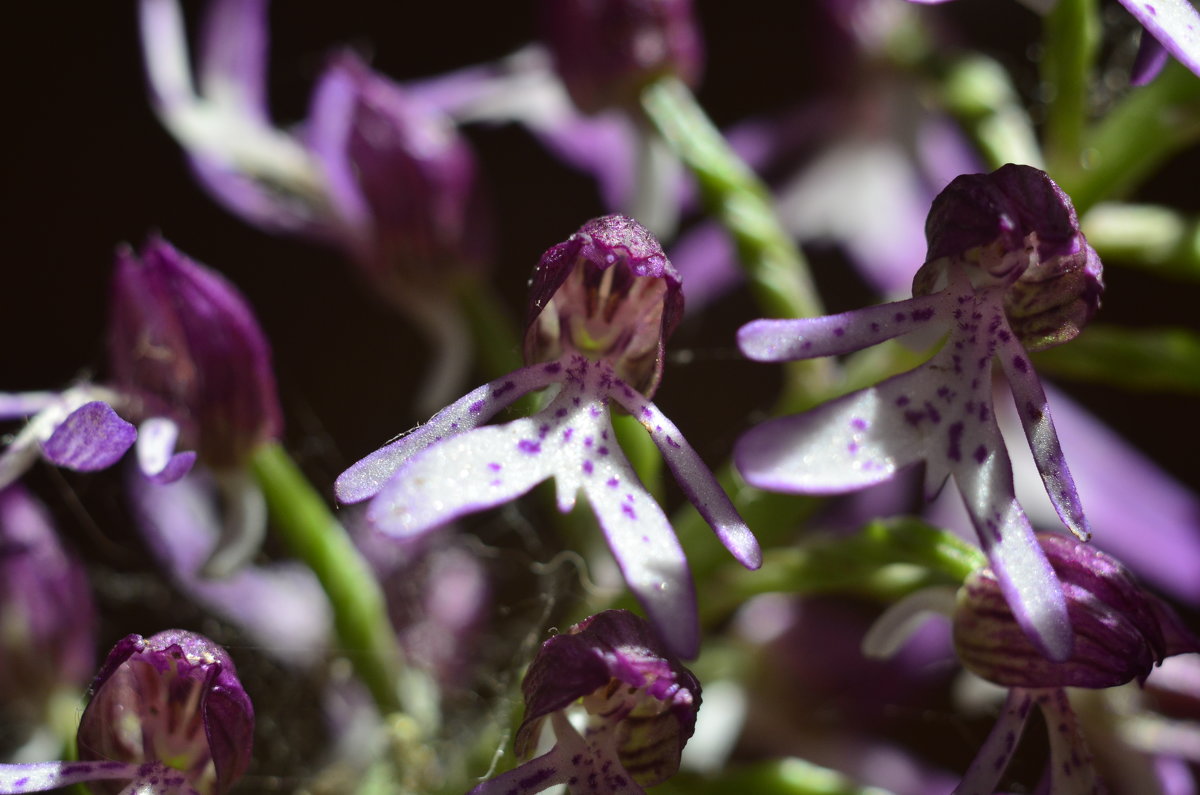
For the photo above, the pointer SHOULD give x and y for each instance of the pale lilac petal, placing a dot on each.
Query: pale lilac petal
(331, 120)
(164, 46)
(997, 751)
(840, 446)
(1028, 581)
(706, 259)
(367, 477)
(460, 475)
(696, 480)
(1176, 25)
(92, 437)
(243, 523)
(832, 335)
(646, 549)
(1071, 768)
(1150, 60)
(259, 202)
(524, 89)
(233, 55)
(281, 606)
(1034, 413)
(19, 405)
(547, 770)
(42, 776)
(156, 451)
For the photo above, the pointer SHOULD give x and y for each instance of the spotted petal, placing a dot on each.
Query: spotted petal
(1174, 23)
(145, 779)
(997, 751)
(367, 477)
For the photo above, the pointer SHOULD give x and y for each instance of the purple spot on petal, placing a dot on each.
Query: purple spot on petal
(807, 345)
(552, 368)
(494, 467)
(902, 400)
(477, 406)
(627, 509)
(560, 413)
(899, 318)
(1153, 11)
(852, 448)
(1020, 364)
(981, 454)
(1034, 412)
(858, 423)
(529, 446)
(506, 387)
(588, 466)
(839, 332)
(646, 412)
(955, 450)
(613, 482)
(985, 413)
(914, 418)
(567, 434)
(602, 450)
(588, 441)
(919, 315)
(874, 327)
(672, 442)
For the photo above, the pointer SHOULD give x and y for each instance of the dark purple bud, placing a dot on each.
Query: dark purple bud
(402, 181)
(607, 51)
(1121, 630)
(1016, 230)
(47, 619)
(608, 292)
(640, 701)
(184, 341)
(173, 698)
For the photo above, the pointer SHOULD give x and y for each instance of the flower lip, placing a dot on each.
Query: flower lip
(610, 292)
(191, 711)
(1121, 630)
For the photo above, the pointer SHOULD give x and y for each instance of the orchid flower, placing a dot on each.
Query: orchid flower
(374, 171)
(602, 305)
(1122, 633)
(190, 363)
(167, 716)
(1008, 271)
(640, 704)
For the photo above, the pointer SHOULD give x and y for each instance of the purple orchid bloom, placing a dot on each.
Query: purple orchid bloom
(191, 365)
(48, 620)
(167, 716)
(375, 171)
(1122, 633)
(602, 306)
(1007, 271)
(640, 704)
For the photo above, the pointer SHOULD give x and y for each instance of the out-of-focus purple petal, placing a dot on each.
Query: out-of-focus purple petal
(696, 480)
(1150, 59)
(156, 451)
(233, 56)
(19, 405)
(92, 437)
(280, 605)
(1176, 25)
(707, 263)
(368, 476)
(997, 751)
(523, 89)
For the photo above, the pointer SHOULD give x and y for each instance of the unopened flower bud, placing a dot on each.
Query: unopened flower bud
(1017, 230)
(173, 699)
(639, 704)
(609, 293)
(1121, 630)
(606, 51)
(184, 341)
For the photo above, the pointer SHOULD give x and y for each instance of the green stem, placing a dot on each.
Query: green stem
(977, 91)
(1072, 36)
(1148, 126)
(777, 270)
(311, 532)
